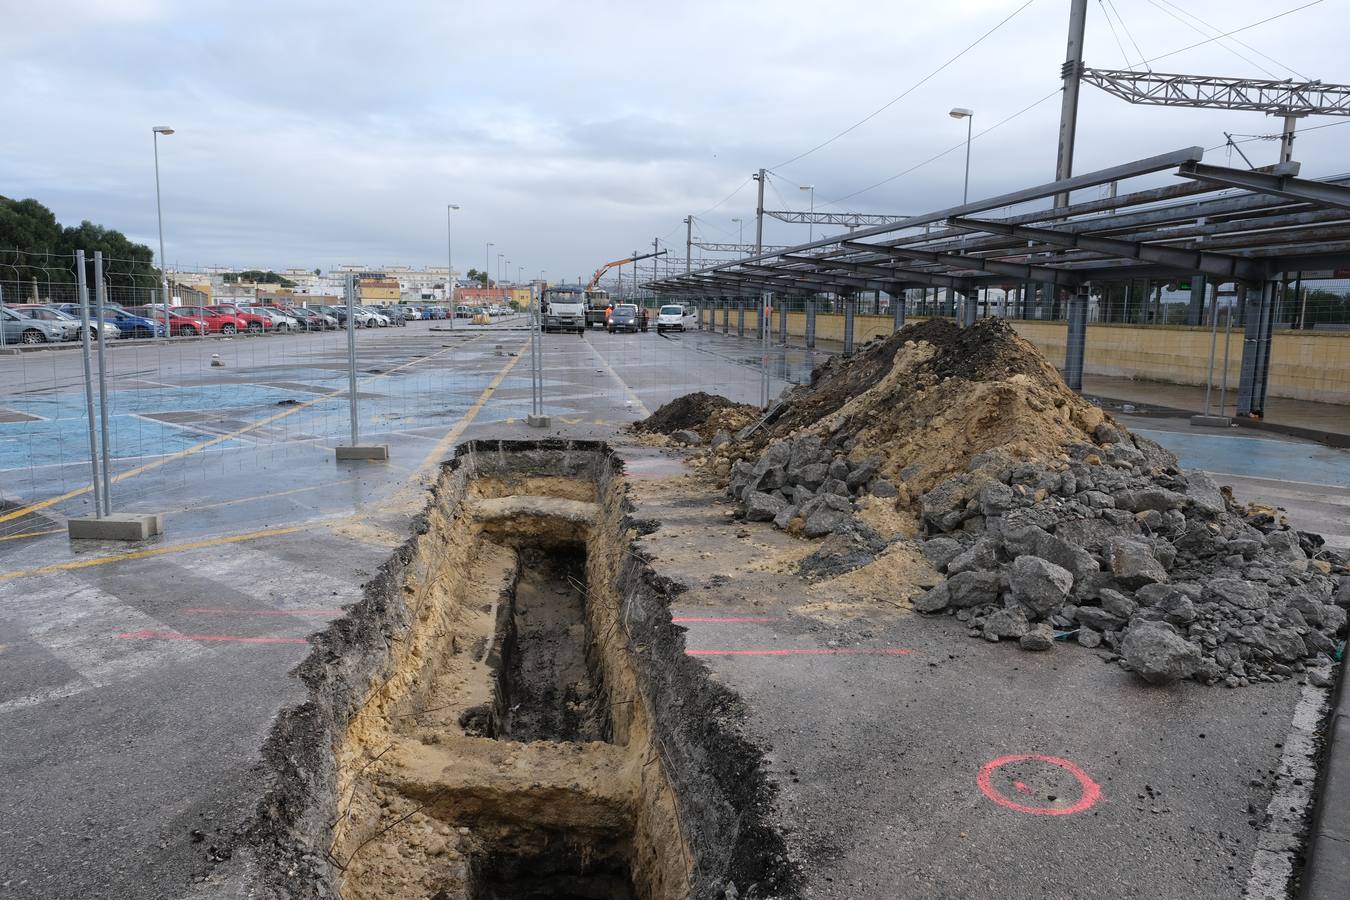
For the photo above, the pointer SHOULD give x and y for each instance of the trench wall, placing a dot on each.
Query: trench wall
(1304, 365)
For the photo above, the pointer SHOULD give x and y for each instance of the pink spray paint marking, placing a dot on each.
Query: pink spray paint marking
(1091, 791)
(808, 651)
(149, 634)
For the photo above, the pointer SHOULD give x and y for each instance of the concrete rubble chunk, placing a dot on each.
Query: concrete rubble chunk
(983, 554)
(1117, 604)
(1158, 654)
(935, 599)
(1039, 584)
(940, 551)
(687, 437)
(1079, 562)
(881, 487)
(1040, 637)
(973, 588)
(1006, 623)
(1133, 564)
(762, 507)
(1236, 592)
(824, 520)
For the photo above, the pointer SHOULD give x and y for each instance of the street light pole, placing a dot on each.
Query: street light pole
(969, 115)
(450, 264)
(811, 222)
(156, 131)
(740, 233)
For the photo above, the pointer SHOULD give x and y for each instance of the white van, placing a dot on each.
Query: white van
(673, 317)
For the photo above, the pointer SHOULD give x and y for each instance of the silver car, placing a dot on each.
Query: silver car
(18, 329)
(69, 321)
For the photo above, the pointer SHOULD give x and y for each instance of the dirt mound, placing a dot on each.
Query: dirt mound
(702, 413)
(933, 396)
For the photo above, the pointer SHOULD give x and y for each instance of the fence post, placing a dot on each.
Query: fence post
(355, 451)
(536, 418)
(100, 292)
(96, 479)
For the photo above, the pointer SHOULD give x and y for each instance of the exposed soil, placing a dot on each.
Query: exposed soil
(510, 713)
(933, 396)
(702, 413)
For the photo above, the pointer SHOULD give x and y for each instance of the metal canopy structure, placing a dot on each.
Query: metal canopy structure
(1232, 225)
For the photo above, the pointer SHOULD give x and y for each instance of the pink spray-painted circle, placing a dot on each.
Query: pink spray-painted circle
(1091, 791)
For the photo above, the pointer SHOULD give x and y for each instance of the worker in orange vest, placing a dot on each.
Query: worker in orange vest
(608, 310)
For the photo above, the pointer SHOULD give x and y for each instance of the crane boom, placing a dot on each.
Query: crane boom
(595, 279)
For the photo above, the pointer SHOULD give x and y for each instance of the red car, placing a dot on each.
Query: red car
(179, 323)
(217, 322)
(253, 323)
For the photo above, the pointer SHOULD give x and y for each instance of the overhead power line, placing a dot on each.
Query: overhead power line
(911, 89)
(1212, 27)
(950, 149)
(1219, 37)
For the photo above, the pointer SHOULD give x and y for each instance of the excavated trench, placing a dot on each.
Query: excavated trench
(510, 714)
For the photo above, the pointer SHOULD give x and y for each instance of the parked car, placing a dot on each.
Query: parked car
(673, 317)
(411, 313)
(309, 319)
(69, 322)
(253, 323)
(327, 315)
(19, 329)
(624, 318)
(179, 324)
(128, 325)
(216, 322)
(280, 321)
(377, 318)
(463, 312)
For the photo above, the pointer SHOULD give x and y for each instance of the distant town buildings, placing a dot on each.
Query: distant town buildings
(375, 284)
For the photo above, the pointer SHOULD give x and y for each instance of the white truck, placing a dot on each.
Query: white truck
(564, 309)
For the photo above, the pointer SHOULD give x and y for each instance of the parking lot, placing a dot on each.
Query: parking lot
(139, 682)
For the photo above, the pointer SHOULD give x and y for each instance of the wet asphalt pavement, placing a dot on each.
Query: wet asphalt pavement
(135, 686)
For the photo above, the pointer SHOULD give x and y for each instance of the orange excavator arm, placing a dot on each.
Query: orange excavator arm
(595, 279)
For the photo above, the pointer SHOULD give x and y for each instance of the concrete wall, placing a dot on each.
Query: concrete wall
(1304, 365)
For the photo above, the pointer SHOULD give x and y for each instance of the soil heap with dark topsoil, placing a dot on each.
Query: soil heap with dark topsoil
(1049, 520)
(698, 418)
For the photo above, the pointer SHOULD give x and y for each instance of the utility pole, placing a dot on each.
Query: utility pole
(763, 315)
(656, 259)
(688, 242)
(1071, 72)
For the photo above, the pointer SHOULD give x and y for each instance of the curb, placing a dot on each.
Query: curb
(1326, 868)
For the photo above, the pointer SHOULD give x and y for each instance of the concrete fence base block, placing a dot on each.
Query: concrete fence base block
(117, 527)
(1211, 421)
(377, 453)
(537, 421)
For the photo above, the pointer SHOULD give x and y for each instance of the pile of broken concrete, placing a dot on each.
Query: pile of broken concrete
(1113, 546)
(804, 486)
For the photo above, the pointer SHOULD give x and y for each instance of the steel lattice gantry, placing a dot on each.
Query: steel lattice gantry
(1230, 225)
(1297, 98)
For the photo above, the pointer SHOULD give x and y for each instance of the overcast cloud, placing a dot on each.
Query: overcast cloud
(318, 133)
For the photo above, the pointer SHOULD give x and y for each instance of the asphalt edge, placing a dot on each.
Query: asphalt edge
(1326, 867)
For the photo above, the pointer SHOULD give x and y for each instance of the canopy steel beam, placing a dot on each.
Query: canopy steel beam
(834, 281)
(1139, 167)
(1285, 98)
(1323, 193)
(1218, 264)
(900, 276)
(731, 248)
(1021, 271)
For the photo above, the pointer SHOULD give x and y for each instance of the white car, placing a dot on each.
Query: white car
(280, 321)
(377, 318)
(673, 318)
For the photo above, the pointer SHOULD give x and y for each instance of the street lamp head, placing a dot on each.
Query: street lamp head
(162, 129)
(960, 112)
(807, 187)
(452, 206)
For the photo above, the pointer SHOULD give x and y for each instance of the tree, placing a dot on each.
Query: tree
(34, 245)
(317, 272)
(480, 277)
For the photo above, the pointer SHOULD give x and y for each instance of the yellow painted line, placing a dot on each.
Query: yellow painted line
(313, 487)
(31, 534)
(163, 550)
(470, 414)
(195, 448)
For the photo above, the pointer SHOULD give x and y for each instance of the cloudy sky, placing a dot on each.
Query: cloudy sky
(317, 133)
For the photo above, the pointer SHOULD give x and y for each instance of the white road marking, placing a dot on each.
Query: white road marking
(1286, 815)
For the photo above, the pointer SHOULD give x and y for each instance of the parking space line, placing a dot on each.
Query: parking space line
(808, 651)
(166, 549)
(155, 635)
(470, 414)
(634, 398)
(181, 454)
(31, 534)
